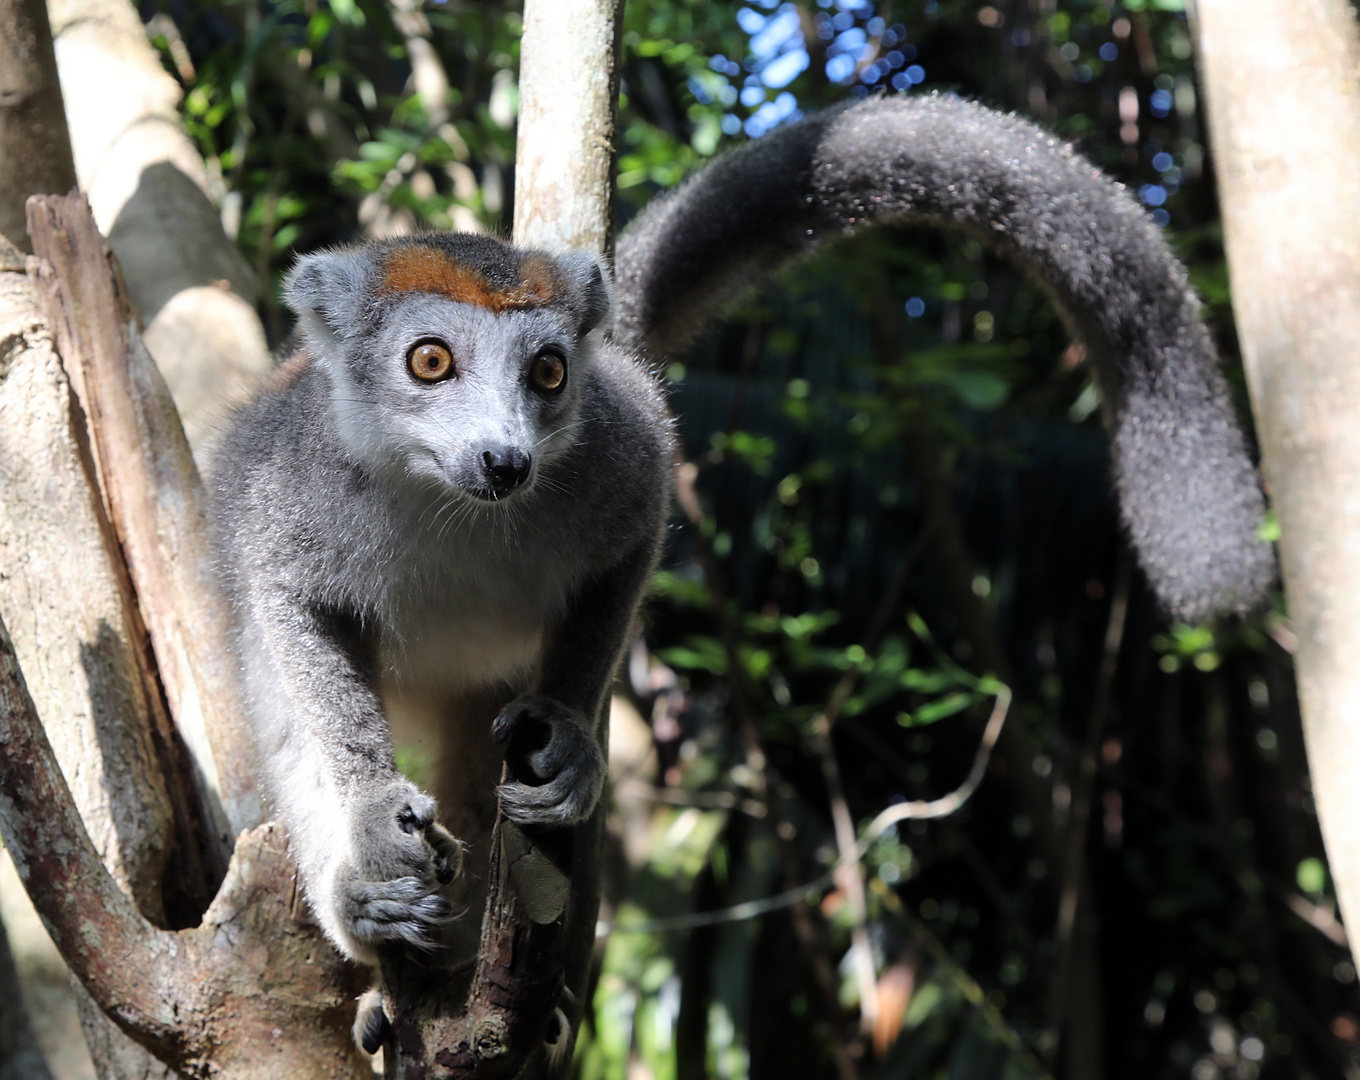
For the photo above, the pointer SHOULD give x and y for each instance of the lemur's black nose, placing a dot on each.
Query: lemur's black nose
(506, 467)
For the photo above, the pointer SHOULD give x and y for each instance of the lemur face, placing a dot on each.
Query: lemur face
(453, 359)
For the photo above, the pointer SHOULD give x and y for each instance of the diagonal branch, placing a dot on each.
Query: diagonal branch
(206, 1001)
(105, 941)
(154, 501)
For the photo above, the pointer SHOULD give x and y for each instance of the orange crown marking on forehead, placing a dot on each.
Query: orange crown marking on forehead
(423, 269)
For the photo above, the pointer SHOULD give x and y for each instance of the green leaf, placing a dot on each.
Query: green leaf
(938, 709)
(1269, 529)
(1311, 876)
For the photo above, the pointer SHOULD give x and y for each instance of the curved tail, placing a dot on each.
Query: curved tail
(1190, 496)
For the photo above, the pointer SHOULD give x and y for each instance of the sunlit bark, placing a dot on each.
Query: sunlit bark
(1284, 112)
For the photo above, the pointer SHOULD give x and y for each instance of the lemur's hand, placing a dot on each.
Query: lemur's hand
(401, 857)
(556, 768)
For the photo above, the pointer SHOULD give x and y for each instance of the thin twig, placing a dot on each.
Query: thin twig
(1074, 873)
(850, 879)
(917, 810)
(703, 800)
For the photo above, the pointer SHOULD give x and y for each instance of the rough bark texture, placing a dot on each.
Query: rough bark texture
(63, 593)
(254, 992)
(35, 152)
(155, 504)
(64, 588)
(568, 96)
(152, 198)
(1284, 112)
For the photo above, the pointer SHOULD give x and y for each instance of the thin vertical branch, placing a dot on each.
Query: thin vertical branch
(568, 101)
(1074, 901)
(538, 928)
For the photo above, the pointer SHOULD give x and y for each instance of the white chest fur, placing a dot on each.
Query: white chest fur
(479, 619)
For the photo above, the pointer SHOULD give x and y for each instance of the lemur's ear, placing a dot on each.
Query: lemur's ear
(591, 289)
(328, 290)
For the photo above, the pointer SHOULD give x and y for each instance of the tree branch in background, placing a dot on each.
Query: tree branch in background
(1074, 936)
(1079, 985)
(153, 200)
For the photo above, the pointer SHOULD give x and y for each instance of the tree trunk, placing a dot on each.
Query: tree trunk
(35, 151)
(568, 98)
(77, 633)
(565, 198)
(1284, 113)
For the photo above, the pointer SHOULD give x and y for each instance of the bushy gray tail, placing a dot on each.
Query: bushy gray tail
(1191, 499)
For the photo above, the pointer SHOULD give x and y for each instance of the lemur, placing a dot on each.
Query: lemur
(455, 493)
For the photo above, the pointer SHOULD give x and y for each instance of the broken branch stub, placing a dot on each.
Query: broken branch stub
(494, 1027)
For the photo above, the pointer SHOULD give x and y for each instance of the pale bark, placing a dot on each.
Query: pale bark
(62, 593)
(65, 589)
(35, 152)
(255, 991)
(155, 505)
(568, 96)
(1284, 117)
(152, 198)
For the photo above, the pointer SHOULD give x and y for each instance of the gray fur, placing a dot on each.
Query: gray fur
(357, 533)
(475, 539)
(1190, 496)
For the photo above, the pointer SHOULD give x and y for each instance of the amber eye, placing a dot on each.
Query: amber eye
(549, 373)
(430, 361)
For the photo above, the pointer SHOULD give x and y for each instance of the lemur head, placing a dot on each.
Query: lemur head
(452, 358)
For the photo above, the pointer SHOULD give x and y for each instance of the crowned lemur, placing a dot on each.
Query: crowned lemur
(455, 492)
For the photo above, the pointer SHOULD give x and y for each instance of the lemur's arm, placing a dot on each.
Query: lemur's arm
(1190, 495)
(364, 837)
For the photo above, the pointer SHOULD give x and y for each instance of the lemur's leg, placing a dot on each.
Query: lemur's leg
(552, 749)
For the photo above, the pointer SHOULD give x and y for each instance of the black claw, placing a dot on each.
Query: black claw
(377, 1028)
